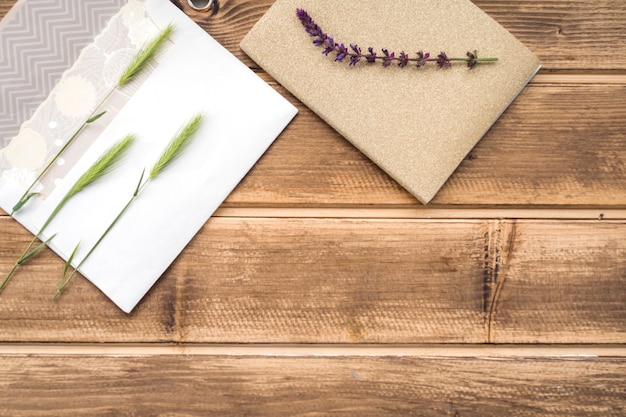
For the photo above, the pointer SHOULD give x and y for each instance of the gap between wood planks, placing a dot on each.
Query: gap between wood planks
(594, 214)
(609, 78)
(541, 78)
(422, 212)
(486, 351)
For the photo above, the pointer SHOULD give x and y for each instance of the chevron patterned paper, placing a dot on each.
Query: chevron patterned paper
(39, 40)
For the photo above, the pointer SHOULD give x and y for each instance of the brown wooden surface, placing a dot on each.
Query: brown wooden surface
(321, 287)
(305, 386)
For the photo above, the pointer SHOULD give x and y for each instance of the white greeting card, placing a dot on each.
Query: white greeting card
(194, 74)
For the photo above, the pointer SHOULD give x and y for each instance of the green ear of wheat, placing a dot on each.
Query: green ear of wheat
(172, 151)
(142, 59)
(176, 146)
(105, 164)
(101, 167)
(144, 56)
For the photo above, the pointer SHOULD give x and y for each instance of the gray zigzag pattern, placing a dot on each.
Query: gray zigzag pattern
(37, 46)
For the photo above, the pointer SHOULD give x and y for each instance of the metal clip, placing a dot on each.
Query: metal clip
(204, 5)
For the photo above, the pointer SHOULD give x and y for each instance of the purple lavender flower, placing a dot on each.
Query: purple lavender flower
(422, 59)
(309, 25)
(388, 58)
(403, 60)
(342, 52)
(473, 56)
(355, 54)
(319, 41)
(443, 61)
(371, 57)
(329, 45)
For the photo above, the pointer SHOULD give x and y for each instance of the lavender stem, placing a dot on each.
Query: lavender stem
(354, 57)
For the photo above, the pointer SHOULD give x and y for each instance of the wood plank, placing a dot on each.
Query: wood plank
(569, 35)
(566, 35)
(5, 5)
(567, 277)
(263, 280)
(348, 281)
(594, 78)
(555, 145)
(29, 314)
(304, 386)
(432, 350)
(409, 282)
(335, 281)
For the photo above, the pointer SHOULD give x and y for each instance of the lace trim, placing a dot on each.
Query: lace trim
(82, 87)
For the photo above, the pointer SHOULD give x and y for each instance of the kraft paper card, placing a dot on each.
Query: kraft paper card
(57, 59)
(417, 124)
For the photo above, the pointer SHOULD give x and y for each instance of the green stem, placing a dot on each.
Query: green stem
(27, 253)
(65, 280)
(99, 168)
(178, 143)
(9, 275)
(471, 59)
(93, 116)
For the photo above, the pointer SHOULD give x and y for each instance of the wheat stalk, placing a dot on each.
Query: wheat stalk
(141, 60)
(100, 168)
(175, 147)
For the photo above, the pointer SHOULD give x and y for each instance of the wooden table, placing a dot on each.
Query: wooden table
(321, 287)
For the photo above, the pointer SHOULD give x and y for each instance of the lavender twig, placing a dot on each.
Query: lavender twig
(354, 54)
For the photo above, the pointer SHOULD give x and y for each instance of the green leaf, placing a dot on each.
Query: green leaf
(68, 264)
(139, 184)
(33, 252)
(96, 117)
(23, 201)
(66, 279)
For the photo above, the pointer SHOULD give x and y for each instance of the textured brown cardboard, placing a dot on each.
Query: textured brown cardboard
(417, 124)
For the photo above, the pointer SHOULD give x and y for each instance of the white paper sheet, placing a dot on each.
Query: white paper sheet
(243, 116)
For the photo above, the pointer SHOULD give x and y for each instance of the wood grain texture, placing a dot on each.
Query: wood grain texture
(30, 314)
(329, 281)
(561, 32)
(305, 386)
(572, 273)
(530, 157)
(325, 289)
(556, 145)
(578, 35)
(255, 280)
(565, 35)
(383, 281)
(264, 280)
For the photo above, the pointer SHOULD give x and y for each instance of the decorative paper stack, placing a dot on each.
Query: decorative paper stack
(417, 124)
(194, 74)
